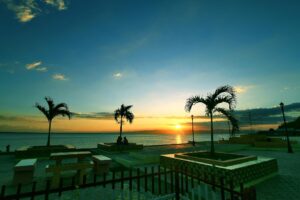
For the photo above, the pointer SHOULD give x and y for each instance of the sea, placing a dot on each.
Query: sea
(90, 140)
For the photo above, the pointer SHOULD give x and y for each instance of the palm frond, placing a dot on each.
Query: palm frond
(231, 101)
(190, 102)
(127, 107)
(64, 113)
(224, 89)
(50, 103)
(43, 110)
(228, 114)
(61, 105)
(129, 117)
(117, 114)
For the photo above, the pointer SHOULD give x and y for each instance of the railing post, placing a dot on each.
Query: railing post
(33, 190)
(165, 177)
(213, 182)
(122, 179)
(181, 178)
(172, 180)
(130, 179)
(19, 191)
(84, 180)
(152, 179)
(47, 190)
(159, 180)
(73, 182)
(138, 180)
(186, 181)
(242, 191)
(60, 186)
(146, 182)
(113, 180)
(95, 179)
(177, 196)
(104, 179)
(3, 191)
(192, 178)
(231, 189)
(222, 188)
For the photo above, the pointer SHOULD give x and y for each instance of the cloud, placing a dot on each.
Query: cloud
(95, 115)
(36, 66)
(59, 77)
(26, 10)
(268, 115)
(240, 89)
(118, 75)
(260, 118)
(59, 4)
(33, 65)
(42, 69)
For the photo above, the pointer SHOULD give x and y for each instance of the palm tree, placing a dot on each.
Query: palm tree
(223, 94)
(231, 120)
(52, 112)
(121, 113)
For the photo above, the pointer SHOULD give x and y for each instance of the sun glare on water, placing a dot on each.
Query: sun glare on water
(178, 139)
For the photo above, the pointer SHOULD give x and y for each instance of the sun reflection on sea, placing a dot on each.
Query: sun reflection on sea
(178, 139)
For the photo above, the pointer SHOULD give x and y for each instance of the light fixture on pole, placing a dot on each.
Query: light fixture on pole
(193, 130)
(290, 150)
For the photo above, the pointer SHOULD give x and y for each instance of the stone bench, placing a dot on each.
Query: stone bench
(24, 171)
(101, 164)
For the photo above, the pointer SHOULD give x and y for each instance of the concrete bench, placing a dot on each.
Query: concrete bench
(24, 170)
(101, 164)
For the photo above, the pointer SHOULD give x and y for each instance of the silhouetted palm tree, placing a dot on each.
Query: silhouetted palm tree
(223, 94)
(52, 112)
(121, 113)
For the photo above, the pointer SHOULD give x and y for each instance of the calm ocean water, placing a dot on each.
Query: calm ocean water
(90, 140)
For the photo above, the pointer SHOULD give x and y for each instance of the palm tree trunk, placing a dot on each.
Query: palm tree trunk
(121, 126)
(212, 148)
(48, 141)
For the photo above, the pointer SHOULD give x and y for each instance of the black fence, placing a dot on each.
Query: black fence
(156, 179)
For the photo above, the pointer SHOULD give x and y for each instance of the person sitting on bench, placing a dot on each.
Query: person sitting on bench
(125, 141)
(119, 140)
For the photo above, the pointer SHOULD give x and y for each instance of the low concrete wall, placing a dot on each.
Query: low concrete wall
(119, 147)
(41, 151)
(247, 173)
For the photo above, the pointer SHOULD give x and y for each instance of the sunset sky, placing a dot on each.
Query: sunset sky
(95, 55)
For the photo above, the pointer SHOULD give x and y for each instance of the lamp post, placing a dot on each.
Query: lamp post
(290, 150)
(193, 130)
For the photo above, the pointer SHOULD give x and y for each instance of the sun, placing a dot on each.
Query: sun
(177, 126)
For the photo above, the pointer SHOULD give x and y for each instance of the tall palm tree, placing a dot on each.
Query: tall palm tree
(121, 113)
(52, 112)
(223, 94)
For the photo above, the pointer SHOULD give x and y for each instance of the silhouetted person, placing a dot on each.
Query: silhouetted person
(7, 148)
(119, 140)
(125, 140)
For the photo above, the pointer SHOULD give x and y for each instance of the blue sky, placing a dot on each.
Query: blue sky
(95, 55)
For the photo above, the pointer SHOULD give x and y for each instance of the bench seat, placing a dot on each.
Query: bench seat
(24, 171)
(101, 164)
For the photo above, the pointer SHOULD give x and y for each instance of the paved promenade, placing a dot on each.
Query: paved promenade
(286, 185)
